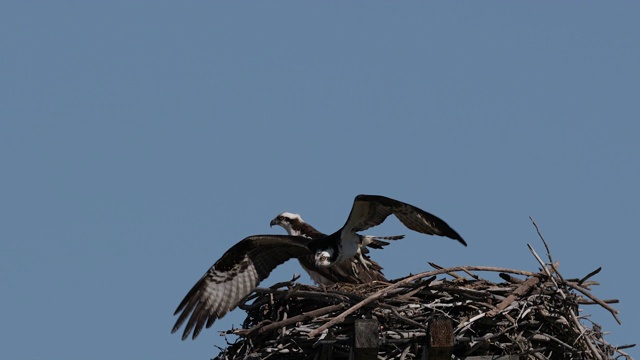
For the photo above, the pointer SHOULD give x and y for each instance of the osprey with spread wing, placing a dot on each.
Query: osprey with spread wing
(239, 271)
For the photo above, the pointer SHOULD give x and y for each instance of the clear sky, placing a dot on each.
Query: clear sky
(140, 140)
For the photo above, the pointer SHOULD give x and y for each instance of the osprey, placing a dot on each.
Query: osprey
(239, 271)
(358, 270)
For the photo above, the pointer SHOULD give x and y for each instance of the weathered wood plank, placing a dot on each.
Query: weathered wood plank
(326, 352)
(366, 339)
(440, 339)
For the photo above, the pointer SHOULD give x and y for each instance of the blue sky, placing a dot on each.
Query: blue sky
(140, 140)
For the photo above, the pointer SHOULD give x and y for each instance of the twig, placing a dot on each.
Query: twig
(285, 283)
(594, 272)
(547, 248)
(438, 267)
(520, 291)
(405, 319)
(613, 311)
(292, 320)
(546, 270)
(511, 279)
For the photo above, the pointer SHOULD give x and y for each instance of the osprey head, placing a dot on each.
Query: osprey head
(290, 222)
(324, 257)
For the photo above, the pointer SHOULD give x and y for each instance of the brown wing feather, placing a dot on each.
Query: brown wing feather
(309, 231)
(235, 275)
(373, 272)
(371, 210)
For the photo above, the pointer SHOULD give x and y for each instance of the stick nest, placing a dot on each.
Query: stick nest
(535, 315)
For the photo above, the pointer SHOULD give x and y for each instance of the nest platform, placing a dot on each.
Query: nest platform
(444, 313)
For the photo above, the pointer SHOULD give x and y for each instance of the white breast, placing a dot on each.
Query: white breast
(319, 279)
(350, 246)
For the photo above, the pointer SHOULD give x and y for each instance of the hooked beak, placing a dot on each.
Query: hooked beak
(273, 222)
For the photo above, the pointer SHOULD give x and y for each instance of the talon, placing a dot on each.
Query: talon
(364, 262)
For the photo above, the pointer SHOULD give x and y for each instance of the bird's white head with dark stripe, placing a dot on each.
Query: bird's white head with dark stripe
(325, 257)
(292, 223)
